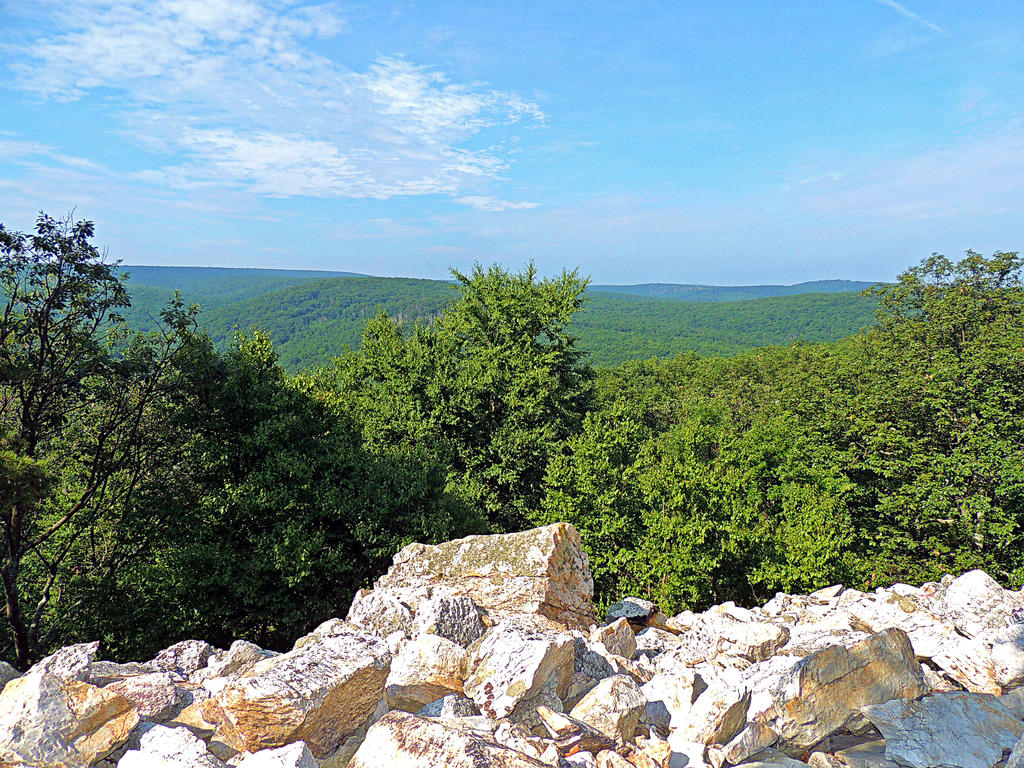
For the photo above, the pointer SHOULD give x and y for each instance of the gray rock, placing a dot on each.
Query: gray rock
(381, 612)
(954, 730)
(589, 668)
(70, 663)
(241, 657)
(7, 673)
(185, 657)
(453, 617)
(975, 602)
(103, 673)
(1016, 758)
(450, 706)
(870, 754)
(163, 747)
(634, 609)
(155, 696)
(295, 755)
(403, 740)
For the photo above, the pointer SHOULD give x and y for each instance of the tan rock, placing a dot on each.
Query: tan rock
(320, 693)
(512, 664)
(657, 750)
(826, 690)
(403, 740)
(613, 707)
(50, 722)
(572, 735)
(425, 669)
(542, 571)
(870, 754)
(617, 637)
(716, 717)
(753, 739)
(609, 759)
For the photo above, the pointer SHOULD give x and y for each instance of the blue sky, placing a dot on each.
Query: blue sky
(697, 142)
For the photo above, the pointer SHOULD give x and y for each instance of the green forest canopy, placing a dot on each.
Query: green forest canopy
(312, 316)
(156, 487)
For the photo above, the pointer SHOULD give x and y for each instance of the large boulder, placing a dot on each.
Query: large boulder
(514, 663)
(71, 663)
(185, 657)
(320, 693)
(613, 707)
(403, 740)
(541, 571)
(155, 695)
(954, 730)
(49, 722)
(424, 670)
(975, 603)
(825, 691)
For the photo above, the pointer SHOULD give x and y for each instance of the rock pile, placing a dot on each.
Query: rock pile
(486, 652)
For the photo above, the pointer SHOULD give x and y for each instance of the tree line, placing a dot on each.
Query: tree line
(154, 487)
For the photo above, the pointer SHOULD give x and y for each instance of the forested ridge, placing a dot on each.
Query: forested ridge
(156, 485)
(311, 316)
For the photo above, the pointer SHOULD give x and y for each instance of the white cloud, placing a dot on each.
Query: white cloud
(487, 203)
(902, 10)
(235, 93)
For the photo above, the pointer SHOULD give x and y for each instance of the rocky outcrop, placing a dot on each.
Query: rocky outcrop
(461, 658)
(543, 571)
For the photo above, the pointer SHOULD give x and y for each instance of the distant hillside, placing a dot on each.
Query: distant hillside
(732, 292)
(313, 316)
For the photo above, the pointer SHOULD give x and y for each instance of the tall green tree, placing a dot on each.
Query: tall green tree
(496, 383)
(76, 395)
(934, 437)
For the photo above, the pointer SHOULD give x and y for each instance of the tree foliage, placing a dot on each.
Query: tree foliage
(165, 484)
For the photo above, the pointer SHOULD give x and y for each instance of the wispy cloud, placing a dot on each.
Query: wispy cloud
(487, 203)
(234, 91)
(909, 14)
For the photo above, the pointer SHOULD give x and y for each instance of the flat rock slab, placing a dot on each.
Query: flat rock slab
(320, 694)
(954, 730)
(403, 740)
(543, 571)
(827, 690)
